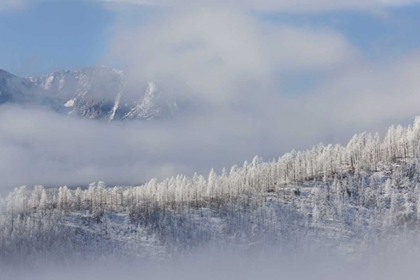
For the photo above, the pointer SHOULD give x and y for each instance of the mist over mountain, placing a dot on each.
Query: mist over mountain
(97, 92)
(19, 90)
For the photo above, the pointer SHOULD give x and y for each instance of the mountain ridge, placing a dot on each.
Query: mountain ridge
(97, 92)
(17, 90)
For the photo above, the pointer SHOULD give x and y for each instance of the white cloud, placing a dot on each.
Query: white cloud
(239, 69)
(212, 52)
(7, 5)
(374, 92)
(44, 148)
(292, 6)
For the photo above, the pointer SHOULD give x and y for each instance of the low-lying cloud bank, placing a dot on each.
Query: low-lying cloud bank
(398, 262)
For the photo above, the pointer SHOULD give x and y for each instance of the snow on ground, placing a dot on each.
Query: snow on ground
(69, 103)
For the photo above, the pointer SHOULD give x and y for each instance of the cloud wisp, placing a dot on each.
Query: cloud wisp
(217, 53)
(8, 5)
(286, 6)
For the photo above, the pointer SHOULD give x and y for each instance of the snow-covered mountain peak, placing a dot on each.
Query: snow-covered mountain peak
(101, 92)
(150, 106)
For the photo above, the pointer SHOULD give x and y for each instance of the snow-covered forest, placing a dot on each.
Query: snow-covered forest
(344, 196)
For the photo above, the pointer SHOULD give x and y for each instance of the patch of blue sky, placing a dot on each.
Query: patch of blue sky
(48, 36)
(377, 34)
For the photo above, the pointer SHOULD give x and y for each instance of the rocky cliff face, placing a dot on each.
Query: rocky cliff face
(94, 93)
(101, 93)
(18, 90)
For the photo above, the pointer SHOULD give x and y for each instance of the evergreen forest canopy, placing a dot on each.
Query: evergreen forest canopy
(348, 197)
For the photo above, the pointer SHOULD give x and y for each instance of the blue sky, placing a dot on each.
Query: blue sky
(393, 31)
(48, 36)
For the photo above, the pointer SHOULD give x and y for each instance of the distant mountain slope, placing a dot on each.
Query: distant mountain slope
(18, 90)
(91, 92)
(94, 92)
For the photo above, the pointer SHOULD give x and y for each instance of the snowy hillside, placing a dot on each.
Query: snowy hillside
(343, 197)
